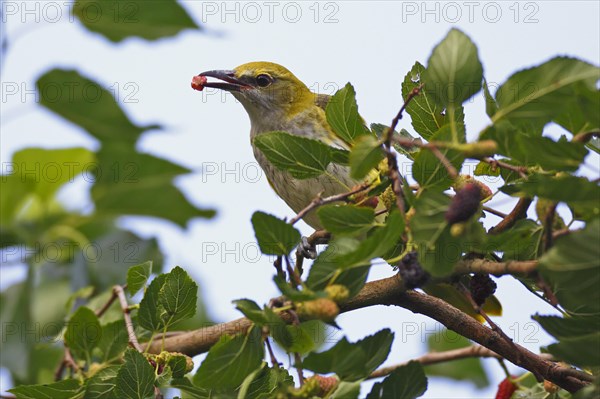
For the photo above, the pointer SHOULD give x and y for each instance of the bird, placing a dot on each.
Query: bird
(276, 100)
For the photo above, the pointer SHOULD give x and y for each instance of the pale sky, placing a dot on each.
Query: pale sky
(371, 44)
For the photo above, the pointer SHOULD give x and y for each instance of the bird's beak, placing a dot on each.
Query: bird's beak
(229, 81)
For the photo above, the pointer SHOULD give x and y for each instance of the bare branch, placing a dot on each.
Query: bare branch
(495, 268)
(390, 291)
(440, 357)
(118, 290)
(318, 201)
(519, 212)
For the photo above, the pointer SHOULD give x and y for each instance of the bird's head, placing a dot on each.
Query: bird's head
(263, 88)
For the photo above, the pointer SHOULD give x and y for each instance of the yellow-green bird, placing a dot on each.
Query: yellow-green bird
(276, 100)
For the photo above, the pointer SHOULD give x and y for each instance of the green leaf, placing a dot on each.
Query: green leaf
(545, 152)
(83, 293)
(88, 105)
(594, 144)
(135, 378)
(137, 276)
(571, 189)
(406, 382)
(274, 236)
(490, 103)
(577, 350)
(114, 341)
(533, 97)
(574, 326)
(133, 183)
(301, 337)
(346, 390)
(365, 156)
(454, 72)
(151, 310)
(520, 242)
(427, 117)
(438, 249)
(339, 156)
(251, 310)
(462, 370)
(572, 268)
(327, 265)
(120, 250)
(118, 21)
(102, 385)
(591, 391)
(485, 169)
(382, 240)
(230, 360)
(265, 382)
(178, 364)
(178, 296)
(191, 391)
(352, 361)
(15, 304)
(427, 169)
(581, 113)
(342, 115)
(576, 336)
(346, 219)
(48, 170)
(302, 157)
(83, 333)
(349, 259)
(66, 389)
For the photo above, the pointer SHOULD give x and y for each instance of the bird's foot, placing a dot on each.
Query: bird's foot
(306, 249)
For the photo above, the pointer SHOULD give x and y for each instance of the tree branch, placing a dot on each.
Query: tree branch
(440, 357)
(495, 268)
(118, 291)
(390, 291)
(519, 212)
(392, 160)
(318, 201)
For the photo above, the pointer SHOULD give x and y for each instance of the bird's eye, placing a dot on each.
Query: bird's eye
(263, 80)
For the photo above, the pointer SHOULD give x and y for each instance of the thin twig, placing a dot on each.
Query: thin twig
(452, 172)
(274, 362)
(319, 201)
(297, 357)
(546, 289)
(548, 223)
(494, 212)
(107, 305)
(67, 359)
(584, 137)
(465, 291)
(294, 278)
(521, 170)
(118, 290)
(440, 357)
(394, 172)
(518, 212)
(278, 268)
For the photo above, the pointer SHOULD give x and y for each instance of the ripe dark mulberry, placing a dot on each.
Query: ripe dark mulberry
(482, 286)
(464, 204)
(413, 275)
